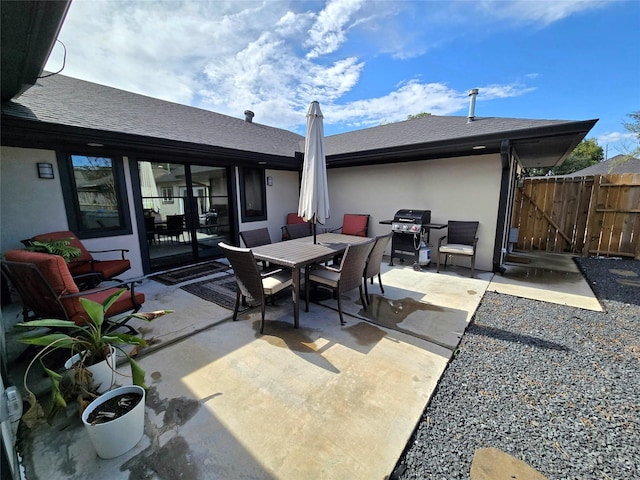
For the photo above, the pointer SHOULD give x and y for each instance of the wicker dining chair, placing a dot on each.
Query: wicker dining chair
(250, 282)
(346, 277)
(372, 267)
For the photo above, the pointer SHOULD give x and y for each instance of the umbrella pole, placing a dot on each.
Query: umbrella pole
(314, 231)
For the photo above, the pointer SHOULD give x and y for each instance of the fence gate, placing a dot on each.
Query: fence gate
(592, 215)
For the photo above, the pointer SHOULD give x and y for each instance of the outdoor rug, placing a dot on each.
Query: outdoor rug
(219, 290)
(189, 273)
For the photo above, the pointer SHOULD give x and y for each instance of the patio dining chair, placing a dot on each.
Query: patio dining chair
(255, 238)
(372, 267)
(460, 240)
(344, 278)
(297, 230)
(250, 282)
(293, 219)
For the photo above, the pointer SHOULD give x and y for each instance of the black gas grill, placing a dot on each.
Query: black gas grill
(408, 227)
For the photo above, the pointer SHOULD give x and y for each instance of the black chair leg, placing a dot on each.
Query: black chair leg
(237, 307)
(366, 293)
(362, 299)
(342, 322)
(262, 319)
(380, 283)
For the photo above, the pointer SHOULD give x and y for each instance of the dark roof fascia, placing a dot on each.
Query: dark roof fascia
(29, 134)
(457, 148)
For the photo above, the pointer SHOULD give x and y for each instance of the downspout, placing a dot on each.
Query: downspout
(505, 159)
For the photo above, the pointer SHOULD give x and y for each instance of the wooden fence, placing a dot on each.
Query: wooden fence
(592, 215)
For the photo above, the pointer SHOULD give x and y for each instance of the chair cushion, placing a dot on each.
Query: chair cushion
(325, 277)
(53, 268)
(85, 256)
(123, 304)
(355, 224)
(293, 218)
(456, 249)
(275, 282)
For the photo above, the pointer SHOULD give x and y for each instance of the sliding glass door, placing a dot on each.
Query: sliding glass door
(186, 212)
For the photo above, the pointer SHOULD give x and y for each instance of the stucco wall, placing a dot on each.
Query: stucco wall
(453, 189)
(282, 198)
(31, 205)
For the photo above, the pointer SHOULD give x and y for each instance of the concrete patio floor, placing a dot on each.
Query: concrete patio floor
(321, 401)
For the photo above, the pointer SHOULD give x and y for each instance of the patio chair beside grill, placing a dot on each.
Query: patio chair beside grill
(372, 267)
(250, 282)
(354, 224)
(344, 278)
(460, 240)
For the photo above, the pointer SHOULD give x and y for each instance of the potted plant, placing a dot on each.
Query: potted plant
(115, 420)
(88, 345)
(60, 247)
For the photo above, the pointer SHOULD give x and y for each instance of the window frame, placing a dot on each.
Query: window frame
(72, 205)
(243, 173)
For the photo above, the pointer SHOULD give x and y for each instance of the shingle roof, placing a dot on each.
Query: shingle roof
(617, 164)
(429, 129)
(68, 101)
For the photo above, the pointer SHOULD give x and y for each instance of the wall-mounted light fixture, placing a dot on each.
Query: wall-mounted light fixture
(45, 170)
(270, 181)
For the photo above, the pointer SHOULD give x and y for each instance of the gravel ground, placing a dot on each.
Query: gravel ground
(554, 386)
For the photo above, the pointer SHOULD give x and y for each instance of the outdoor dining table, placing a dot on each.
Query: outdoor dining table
(302, 252)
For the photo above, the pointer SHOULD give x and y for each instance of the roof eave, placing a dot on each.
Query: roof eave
(571, 132)
(29, 134)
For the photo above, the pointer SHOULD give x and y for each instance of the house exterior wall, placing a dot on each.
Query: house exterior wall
(282, 198)
(465, 188)
(30, 205)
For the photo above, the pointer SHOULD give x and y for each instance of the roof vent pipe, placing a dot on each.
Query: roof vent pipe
(473, 93)
(248, 116)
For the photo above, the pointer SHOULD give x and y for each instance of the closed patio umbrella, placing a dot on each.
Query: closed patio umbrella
(148, 187)
(314, 193)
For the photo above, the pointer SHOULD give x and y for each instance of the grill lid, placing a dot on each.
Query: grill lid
(410, 221)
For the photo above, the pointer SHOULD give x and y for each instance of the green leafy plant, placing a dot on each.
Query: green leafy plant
(60, 247)
(94, 341)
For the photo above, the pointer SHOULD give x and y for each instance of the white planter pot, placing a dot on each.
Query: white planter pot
(103, 372)
(118, 436)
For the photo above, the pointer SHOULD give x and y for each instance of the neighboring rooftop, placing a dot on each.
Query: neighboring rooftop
(617, 164)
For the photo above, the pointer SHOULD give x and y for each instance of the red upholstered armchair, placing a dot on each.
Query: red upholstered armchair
(354, 224)
(47, 289)
(85, 263)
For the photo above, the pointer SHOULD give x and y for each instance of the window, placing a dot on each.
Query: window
(167, 194)
(253, 196)
(95, 195)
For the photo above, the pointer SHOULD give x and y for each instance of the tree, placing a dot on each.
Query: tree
(633, 127)
(419, 115)
(587, 153)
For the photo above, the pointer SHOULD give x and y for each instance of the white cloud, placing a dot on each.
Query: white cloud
(328, 31)
(537, 12)
(614, 137)
(274, 57)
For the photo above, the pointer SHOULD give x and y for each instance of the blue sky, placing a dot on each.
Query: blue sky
(367, 62)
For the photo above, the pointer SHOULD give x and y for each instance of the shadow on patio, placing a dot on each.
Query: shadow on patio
(321, 401)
